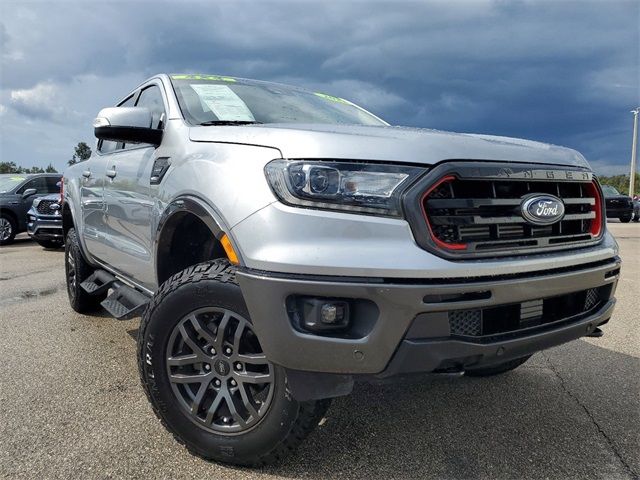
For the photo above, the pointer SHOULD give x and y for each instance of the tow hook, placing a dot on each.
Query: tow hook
(597, 333)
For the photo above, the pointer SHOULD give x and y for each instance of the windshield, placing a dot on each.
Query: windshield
(213, 99)
(9, 182)
(609, 191)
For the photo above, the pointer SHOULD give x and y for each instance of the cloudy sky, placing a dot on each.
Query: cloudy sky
(564, 72)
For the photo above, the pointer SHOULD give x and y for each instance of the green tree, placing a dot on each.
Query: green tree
(82, 152)
(10, 167)
(620, 182)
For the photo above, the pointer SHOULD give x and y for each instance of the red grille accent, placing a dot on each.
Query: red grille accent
(596, 223)
(438, 241)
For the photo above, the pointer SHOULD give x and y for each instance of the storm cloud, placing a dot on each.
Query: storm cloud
(561, 72)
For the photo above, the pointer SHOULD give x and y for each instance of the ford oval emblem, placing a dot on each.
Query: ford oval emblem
(542, 209)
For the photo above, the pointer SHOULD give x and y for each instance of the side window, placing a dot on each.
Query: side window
(39, 184)
(151, 97)
(107, 146)
(53, 184)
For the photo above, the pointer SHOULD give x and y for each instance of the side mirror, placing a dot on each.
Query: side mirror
(126, 124)
(28, 192)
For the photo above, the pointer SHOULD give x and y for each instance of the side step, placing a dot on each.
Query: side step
(124, 302)
(98, 282)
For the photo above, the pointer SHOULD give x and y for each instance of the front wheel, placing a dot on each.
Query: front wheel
(497, 369)
(207, 378)
(625, 219)
(7, 229)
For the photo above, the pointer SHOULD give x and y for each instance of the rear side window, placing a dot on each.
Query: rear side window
(53, 184)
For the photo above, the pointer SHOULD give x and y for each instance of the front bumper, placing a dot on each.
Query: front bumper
(45, 227)
(409, 328)
(619, 212)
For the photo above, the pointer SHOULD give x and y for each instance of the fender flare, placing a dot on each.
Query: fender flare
(202, 210)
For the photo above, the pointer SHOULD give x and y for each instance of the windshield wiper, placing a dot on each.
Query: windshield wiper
(229, 122)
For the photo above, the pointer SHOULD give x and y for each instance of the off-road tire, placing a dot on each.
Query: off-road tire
(497, 369)
(50, 243)
(8, 222)
(286, 422)
(80, 300)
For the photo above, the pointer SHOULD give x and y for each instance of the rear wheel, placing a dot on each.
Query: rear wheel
(626, 219)
(7, 229)
(77, 270)
(497, 369)
(207, 378)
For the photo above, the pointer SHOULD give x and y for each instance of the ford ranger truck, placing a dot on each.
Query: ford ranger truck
(281, 244)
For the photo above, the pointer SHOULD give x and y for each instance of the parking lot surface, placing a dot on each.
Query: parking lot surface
(71, 405)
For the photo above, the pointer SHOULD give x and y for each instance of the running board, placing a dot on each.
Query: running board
(98, 282)
(125, 302)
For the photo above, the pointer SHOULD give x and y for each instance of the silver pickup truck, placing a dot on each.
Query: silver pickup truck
(282, 244)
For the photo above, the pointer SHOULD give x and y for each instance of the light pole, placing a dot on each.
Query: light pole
(634, 147)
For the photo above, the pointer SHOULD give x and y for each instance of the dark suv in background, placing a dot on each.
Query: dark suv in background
(618, 206)
(17, 193)
(44, 224)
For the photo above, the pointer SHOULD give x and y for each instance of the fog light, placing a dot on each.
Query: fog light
(329, 313)
(321, 314)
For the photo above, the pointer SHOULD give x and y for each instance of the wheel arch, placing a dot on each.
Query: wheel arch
(10, 213)
(67, 219)
(189, 232)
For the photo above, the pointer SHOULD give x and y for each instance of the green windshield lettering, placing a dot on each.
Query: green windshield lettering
(331, 97)
(215, 78)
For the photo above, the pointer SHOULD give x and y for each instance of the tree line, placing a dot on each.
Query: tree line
(621, 183)
(82, 151)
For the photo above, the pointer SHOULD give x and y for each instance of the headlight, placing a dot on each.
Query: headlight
(354, 187)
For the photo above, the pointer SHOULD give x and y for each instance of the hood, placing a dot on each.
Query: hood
(617, 198)
(51, 196)
(392, 144)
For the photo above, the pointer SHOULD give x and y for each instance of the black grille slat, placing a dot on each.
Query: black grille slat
(479, 202)
(480, 220)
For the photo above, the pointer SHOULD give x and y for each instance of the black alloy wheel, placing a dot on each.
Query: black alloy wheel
(218, 371)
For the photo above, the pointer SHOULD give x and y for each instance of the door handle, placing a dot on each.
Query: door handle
(111, 173)
(86, 174)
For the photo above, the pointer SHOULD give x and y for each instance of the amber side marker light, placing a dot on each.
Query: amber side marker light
(228, 248)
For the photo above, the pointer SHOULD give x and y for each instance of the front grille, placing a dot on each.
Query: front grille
(44, 207)
(468, 212)
(493, 322)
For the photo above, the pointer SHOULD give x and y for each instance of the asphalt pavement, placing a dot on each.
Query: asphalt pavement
(71, 405)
